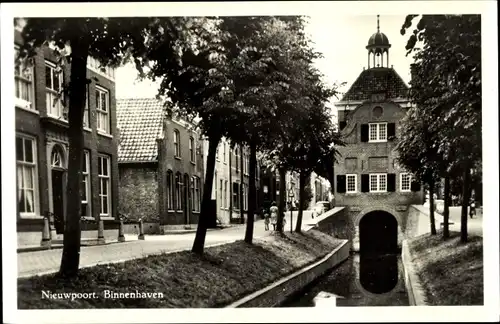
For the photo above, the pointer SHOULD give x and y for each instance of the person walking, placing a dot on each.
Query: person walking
(274, 215)
(266, 220)
(472, 210)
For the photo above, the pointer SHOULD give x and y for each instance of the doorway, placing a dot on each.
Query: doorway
(58, 179)
(58, 199)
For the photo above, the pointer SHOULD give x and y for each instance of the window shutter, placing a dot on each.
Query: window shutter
(391, 131)
(364, 132)
(342, 125)
(415, 186)
(391, 182)
(341, 179)
(365, 183)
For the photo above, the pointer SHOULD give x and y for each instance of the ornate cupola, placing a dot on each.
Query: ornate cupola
(378, 45)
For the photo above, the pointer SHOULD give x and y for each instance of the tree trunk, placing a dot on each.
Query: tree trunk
(302, 187)
(242, 210)
(70, 260)
(282, 202)
(466, 191)
(201, 232)
(446, 212)
(431, 207)
(251, 193)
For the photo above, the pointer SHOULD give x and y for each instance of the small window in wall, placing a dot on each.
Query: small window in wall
(170, 190)
(102, 110)
(24, 85)
(54, 78)
(27, 178)
(377, 112)
(378, 182)
(104, 173)
(405, 182)
(85, 190)
(377, 132)
(236, 195)
(351, 183)
(177, 143)
(192, 152)
(178, 193)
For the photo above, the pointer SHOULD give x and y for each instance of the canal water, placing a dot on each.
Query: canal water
(361, 280)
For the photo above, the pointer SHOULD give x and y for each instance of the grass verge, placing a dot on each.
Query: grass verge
(450, 272)
(221, 276)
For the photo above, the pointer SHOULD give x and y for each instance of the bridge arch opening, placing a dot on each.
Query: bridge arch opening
(378, 233)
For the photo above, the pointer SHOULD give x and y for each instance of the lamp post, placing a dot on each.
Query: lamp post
(291, 196)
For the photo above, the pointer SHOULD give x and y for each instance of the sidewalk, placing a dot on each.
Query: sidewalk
(48, 261)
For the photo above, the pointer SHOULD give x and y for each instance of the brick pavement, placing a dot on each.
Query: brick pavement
(48, 261)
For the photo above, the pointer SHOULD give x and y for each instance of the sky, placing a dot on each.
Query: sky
(341, 40)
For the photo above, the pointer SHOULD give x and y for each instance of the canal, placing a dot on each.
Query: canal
(361, 280)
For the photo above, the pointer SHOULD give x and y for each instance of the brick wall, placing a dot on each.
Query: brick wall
(364, 158)
(48, 131)
(183, 165)
(139, 191)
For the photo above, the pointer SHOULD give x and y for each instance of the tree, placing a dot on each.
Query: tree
(109, 40)
(448, 67)
(268, 65)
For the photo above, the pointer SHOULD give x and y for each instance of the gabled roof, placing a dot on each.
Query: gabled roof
(377, 80)
(140, 122)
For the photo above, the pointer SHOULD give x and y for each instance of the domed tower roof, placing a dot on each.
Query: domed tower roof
(378, 39)
(378, 42)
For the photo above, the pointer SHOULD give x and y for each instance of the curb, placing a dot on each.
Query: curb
(277, 292)
(415, 291)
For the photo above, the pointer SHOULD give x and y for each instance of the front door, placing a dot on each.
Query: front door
(58, 199)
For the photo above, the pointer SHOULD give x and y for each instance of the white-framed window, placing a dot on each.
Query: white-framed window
(404, 182)
(224, 152)
(102, 110)
(378, 182)
(86, 114)
(85, 190)
(24, 86)
(217, 152)
(236, 195)
(170, 190)
(54, 79)
(195, 189)
(237, 158)
(377, 132)
(178, 193)
(177, 143)
(225, 195)
(351, 183)
(27, 179)
(220, 194)
(192, 151)
(104, 173)
(245, 197)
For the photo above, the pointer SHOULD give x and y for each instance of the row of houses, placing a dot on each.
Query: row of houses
(138, 162)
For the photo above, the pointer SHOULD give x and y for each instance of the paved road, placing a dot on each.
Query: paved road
(48, 261)
(474, 225)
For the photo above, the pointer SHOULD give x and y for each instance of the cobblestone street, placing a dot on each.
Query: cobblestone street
(43, 262)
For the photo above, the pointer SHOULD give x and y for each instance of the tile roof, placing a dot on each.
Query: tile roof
(374, 80)
(140, 122)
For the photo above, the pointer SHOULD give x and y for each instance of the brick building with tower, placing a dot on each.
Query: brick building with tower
(375, 190)
(42, 146)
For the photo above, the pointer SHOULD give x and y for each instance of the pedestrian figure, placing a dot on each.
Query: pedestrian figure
(472, 210)
(266, 221)
(283, 225)
(274, 215)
